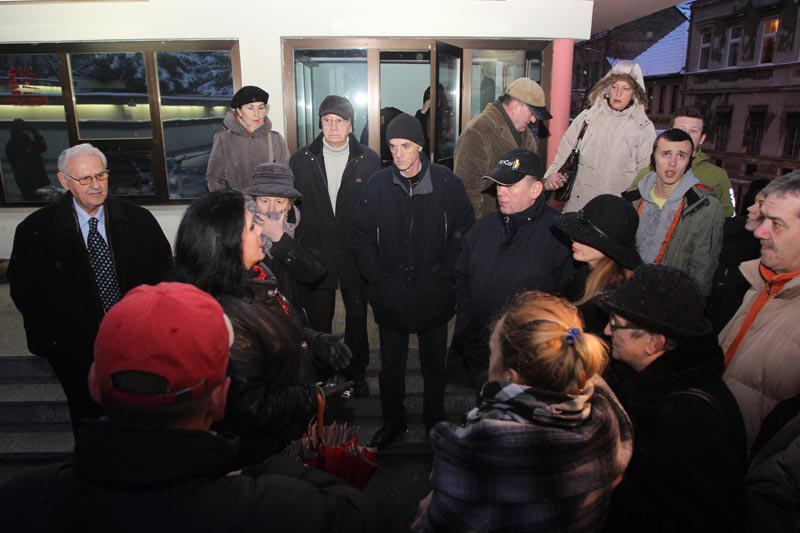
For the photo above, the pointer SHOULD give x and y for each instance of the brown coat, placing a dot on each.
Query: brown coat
(478, 150)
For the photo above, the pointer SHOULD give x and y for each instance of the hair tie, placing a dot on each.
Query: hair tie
(572, 334)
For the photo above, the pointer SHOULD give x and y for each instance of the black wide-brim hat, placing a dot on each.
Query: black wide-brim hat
(607, 223)
(660, 299)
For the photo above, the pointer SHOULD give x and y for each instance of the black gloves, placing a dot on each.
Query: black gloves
(328, 349)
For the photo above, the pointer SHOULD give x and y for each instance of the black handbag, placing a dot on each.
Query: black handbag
(570, 169)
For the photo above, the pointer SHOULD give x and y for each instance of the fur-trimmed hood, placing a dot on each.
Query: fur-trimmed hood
(625, 69)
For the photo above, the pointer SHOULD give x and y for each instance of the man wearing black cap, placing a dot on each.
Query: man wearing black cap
(329, 173)
(407, 234)
(510, 250)
(152, 464)
(247, 141)
(503, 125)
(687, 470)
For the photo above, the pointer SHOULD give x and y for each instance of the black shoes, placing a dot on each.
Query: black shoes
(386, 435)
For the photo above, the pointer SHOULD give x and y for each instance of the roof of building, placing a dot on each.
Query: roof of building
(667, 56)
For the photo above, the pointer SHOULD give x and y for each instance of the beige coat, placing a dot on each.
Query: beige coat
(766, 367)
(615, 146)
(478, 150)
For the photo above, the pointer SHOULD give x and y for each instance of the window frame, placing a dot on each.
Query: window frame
(705, 48)
(731, 41)
(764, 37)
(149, 49)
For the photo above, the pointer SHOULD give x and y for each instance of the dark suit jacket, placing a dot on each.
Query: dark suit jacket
(52, 283)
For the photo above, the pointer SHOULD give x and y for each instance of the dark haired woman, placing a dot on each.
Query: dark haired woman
(603, 237)
(549, 440)
(273, 391)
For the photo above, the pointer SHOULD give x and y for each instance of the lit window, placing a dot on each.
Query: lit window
(769, 38)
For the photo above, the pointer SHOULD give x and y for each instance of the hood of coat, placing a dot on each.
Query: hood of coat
(625, 67)
(649, 181)
(232, 124)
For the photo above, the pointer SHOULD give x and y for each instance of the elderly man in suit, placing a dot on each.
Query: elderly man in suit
(73, 260)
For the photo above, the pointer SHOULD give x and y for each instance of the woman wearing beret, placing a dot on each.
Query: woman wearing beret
(603, 237)
(293, 250)
(247, 141)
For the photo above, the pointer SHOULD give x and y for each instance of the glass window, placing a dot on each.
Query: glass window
(769, 38)
(32, 127)
(492, 71)
(321, 73)
(791, 147)
(723, 129)
(734, 45)
(676, 94)
(196, 90)
(705, 49)
(111, 95)
(755, 129)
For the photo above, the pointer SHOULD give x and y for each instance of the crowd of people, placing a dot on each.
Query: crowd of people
(607, 398)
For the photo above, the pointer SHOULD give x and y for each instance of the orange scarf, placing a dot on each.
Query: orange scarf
(774, 284)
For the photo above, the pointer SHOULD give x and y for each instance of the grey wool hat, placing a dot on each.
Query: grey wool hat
(273, 179)
(404, 126)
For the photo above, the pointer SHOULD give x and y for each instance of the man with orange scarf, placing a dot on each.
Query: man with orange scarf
(762, 340)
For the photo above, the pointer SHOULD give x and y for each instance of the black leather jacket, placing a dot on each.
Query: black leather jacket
(273, 392)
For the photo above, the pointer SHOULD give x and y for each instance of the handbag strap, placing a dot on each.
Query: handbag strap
(580, 135)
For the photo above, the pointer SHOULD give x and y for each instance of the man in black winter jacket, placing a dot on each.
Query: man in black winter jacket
(330, 173)
(161, 356)
(407, 233)
(506, 252)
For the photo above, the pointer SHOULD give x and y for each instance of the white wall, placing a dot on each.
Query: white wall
(259, 26)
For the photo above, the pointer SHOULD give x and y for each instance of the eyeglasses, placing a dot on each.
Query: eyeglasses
(338, 122)
(615, 327)
(86, 180)
(586, 220)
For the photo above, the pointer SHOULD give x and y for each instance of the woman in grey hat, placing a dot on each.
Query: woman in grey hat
(603, 237)
(293, 251)
(246, 141)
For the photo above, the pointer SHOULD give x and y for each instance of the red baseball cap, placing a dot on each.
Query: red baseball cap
(172, 330)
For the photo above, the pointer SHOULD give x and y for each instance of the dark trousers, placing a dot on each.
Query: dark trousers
(392, 378)
(73, 373)
(320, 305)
(475, 358)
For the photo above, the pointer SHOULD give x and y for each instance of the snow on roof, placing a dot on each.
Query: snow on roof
(667, 56)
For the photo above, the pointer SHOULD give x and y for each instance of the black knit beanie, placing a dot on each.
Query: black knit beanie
(404, 126)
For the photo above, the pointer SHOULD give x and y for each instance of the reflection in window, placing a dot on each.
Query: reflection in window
(111, 95)
(32, 127)
(196, 90)
(769, 38)
(492, 71)
(321, 73)
(705, 49)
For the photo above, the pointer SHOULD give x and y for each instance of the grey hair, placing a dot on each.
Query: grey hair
(783, 185)
(79, 150)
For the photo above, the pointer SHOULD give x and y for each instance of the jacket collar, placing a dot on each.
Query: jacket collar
(750, 271)
(232, 124)
(648, 182)
(425, 183)
(129, 457)
(356, 149)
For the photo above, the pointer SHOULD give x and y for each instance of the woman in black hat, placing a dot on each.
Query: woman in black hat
(247, 141)
(293, 250)
(603, 237)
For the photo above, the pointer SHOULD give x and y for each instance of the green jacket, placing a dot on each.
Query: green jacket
(711, 176)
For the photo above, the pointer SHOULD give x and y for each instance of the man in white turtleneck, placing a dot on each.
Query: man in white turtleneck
(329, 173)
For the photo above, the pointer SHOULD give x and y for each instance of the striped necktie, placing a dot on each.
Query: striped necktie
(104, 274)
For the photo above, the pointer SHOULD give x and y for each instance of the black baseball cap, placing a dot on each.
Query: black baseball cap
(513, 166)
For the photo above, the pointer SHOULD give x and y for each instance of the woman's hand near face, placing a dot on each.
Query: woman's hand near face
(272, 224)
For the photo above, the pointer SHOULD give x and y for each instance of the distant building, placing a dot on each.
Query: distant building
(743, 71)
